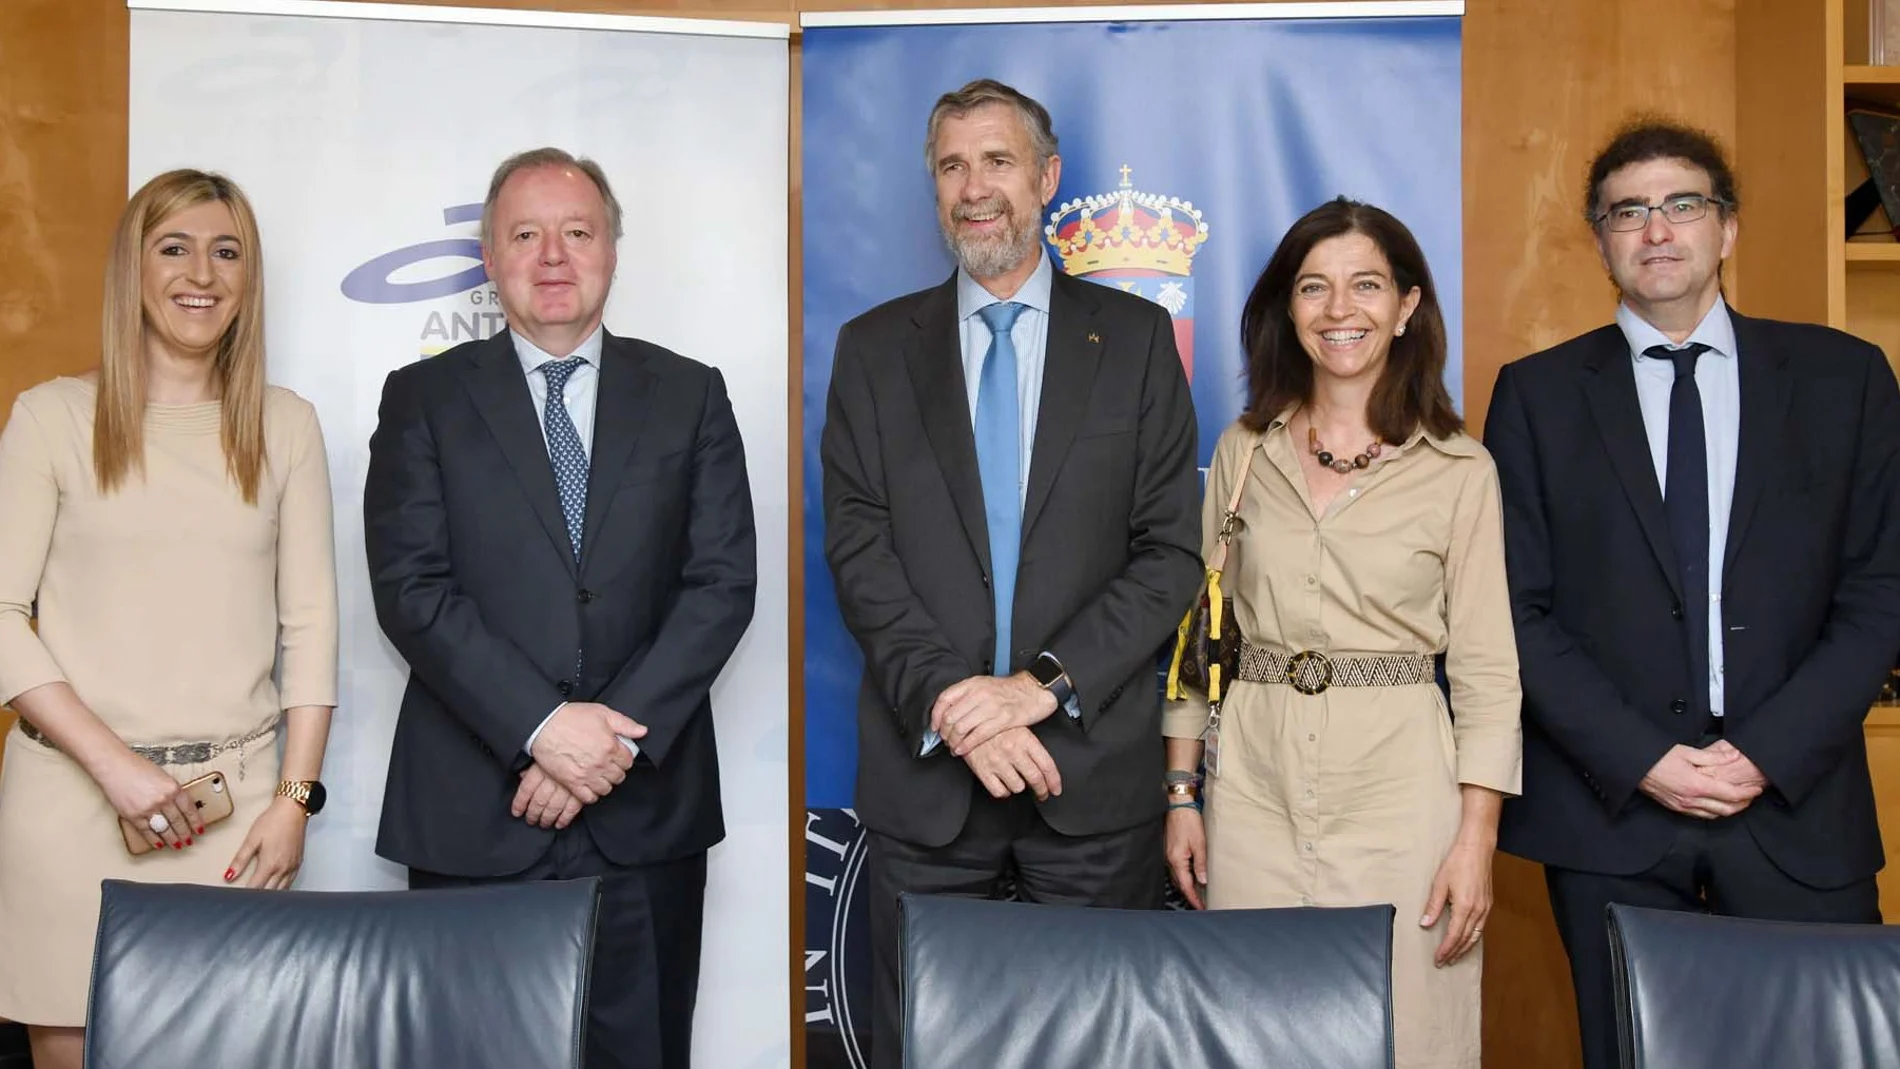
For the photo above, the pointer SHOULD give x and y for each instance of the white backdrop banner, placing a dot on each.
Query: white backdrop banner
(365, 135)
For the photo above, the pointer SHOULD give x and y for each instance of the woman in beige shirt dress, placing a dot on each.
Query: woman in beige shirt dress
(170, 516)
(1370, 532)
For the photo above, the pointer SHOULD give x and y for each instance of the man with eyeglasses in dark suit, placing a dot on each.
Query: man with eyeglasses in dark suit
(1702, 535)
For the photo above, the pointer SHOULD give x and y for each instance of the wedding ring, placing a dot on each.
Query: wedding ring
(158, 824)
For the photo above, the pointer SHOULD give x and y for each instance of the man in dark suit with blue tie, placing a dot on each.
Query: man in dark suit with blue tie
(560, 541)
(1012, 518)
(1702, 527)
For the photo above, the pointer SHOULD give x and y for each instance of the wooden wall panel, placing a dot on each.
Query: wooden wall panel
(1883, 759)
(1784, 110)
(1872, 308)
(1545, 85)
(62, 180)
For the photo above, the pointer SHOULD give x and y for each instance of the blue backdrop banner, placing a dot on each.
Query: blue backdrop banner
(1226, 131)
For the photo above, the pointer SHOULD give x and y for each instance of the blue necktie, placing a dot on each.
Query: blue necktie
(565, 453)
(999, 461)
(1686, 502)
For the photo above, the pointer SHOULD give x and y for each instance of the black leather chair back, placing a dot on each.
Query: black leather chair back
(212, 977)
(1008, 985)
(1700, 992)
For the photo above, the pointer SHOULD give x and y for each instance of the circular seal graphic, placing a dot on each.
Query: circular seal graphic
(837, 942)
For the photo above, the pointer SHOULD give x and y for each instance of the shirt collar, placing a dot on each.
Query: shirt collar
(1717, 330)
(973, 298)
(1459, 444)
(532, 356)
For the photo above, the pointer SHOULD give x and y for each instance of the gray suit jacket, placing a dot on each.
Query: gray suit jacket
(1110, 555)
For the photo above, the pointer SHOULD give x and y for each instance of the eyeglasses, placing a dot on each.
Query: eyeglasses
(1686, 208)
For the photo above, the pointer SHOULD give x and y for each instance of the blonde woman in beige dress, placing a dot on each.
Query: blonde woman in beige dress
(169, 517)
(1370, 533)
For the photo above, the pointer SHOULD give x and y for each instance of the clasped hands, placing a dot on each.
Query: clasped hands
(578, 760)
(986, 719)
(1717, 780)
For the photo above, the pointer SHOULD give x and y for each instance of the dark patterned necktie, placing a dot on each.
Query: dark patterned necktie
(1686, 502)
(565, 453)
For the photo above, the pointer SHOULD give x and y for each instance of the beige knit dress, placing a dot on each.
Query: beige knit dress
(165, 605)
(1351, 796)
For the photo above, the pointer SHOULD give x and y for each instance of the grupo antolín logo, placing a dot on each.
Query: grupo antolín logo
(461, 305)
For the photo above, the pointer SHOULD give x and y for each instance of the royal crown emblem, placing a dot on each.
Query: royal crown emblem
(1142, 243)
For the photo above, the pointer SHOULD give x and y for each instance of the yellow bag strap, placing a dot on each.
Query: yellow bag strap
(1180, 650)
(1214, 604)
(1215, 564)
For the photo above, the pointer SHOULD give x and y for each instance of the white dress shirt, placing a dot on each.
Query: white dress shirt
(583, 388)
(1718, 380)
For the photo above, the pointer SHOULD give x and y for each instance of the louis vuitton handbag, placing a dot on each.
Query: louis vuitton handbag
(1207, 644)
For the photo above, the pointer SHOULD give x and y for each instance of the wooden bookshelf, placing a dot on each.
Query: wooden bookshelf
(1876, 85)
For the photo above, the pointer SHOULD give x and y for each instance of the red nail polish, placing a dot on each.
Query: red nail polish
(201, 831)
(189, 840)
(178, 846)
(229, 875)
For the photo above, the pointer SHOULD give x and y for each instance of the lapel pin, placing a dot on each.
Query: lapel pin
(1096, 338)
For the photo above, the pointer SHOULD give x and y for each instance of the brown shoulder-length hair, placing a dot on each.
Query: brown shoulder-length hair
(118, 430)
(1410, 392)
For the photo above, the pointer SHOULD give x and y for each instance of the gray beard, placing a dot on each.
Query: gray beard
(987, 258)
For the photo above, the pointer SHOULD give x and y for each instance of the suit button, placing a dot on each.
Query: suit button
(1676, 610)
(1679, 706)
(585, 596)
(986, 580)
(987, 666)
(565, 687)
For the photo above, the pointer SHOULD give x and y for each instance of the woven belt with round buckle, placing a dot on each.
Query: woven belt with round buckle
(1309, 671)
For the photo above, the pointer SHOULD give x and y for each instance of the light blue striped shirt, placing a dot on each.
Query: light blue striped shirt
(1719, 381)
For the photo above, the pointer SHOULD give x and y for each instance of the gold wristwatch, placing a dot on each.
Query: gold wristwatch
(307, 793)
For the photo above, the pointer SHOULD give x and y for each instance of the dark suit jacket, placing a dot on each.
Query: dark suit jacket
(1110, 552)
(477, 588)
(1810, 598)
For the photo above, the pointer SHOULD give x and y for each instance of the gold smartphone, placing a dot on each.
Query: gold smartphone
(211, 800)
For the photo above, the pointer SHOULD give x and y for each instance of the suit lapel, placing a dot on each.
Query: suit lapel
(935, 362)
(1766, 391)
(620, 415)
(1068, 375)
(500, 393)
(1610, 385)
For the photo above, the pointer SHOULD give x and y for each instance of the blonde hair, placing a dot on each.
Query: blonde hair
(118, 432)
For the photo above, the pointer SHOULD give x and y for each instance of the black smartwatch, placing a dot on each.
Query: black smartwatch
(1048, 674)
